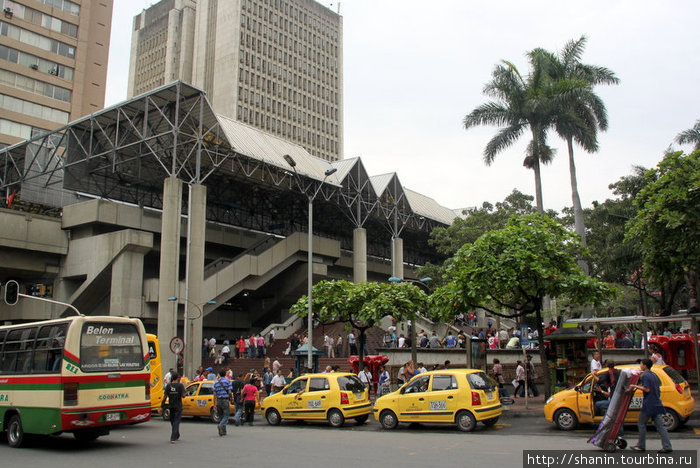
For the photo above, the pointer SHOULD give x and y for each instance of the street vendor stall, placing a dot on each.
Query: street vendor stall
(568, 362)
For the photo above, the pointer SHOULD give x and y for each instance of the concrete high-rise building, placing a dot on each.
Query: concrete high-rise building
(273, 64)
(53, 64)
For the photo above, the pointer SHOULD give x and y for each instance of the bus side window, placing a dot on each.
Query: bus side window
(49, 348)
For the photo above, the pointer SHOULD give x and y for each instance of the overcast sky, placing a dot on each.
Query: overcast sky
(414, 69)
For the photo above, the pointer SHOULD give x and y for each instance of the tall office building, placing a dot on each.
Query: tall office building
(273, 64)
(53, 64)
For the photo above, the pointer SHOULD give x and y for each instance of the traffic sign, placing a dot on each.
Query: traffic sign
(177, 345)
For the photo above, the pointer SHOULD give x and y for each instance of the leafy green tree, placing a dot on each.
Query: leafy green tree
(362, 305)
(531, 103)
(615, 261)
(667, 227)
(584, 115)
(514, 268)
(690, 136)
(468, 228)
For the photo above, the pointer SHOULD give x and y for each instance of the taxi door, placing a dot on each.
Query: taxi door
(316, 400)
(413, 404)
(442, 398)
(203, 401)
(188, 405)
(585, 400)
(290, 402)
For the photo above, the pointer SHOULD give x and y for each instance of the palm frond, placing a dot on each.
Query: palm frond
(690, 136)
(502, 140)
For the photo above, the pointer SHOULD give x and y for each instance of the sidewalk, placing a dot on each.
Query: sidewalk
(535, 407)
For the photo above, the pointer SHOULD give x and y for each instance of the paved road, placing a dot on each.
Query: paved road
(313, 445)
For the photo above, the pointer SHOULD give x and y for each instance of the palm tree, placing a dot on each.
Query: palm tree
(690, 136)
(520, 104)
(585, 115)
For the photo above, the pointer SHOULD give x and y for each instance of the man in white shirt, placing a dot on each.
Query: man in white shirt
(365, 377)
(595, 362)
(402, 341)
(276, 366)
(278, 381)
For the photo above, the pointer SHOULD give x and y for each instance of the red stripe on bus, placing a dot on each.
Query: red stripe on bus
(71, 356)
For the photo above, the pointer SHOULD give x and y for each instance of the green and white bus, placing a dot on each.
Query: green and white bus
(82, 375)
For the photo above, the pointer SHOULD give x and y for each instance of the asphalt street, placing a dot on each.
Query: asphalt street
(316, 445)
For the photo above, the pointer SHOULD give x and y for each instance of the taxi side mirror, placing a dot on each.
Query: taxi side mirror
(577, 388)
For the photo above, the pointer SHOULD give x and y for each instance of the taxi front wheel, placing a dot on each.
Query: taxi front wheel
(273, 417)
(565, 419)
(336, 418)
(214, 415)
(388, 419)
(466, 421)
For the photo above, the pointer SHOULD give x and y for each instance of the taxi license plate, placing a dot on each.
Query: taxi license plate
(359, 396)
(112, 417)
(489, 395)
(636, 403)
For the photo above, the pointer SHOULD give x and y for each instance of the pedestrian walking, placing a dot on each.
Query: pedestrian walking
(651, 408)
(223, 394)
(519, 380)
(236, 387)
(250, 395)
(174, 392)
(531, 376)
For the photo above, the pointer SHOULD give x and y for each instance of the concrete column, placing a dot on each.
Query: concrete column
(359, 255)
(127, 285)
(397, 257)
(168, 284)
(195, 278)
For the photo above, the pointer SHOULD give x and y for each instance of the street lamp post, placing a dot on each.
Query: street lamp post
(187, 369)
(422, 281)
(310, 270)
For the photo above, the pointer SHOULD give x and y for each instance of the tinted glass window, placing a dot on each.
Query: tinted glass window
(296, 386)
(444, 382)
(206, 389)
(480, 381)
(318, 384)
(417, 385)
(49, 348)
(350, 383)
(674, 374)
(17, 353)
(108, 347)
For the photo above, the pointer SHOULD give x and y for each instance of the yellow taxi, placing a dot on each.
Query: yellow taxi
(333, 397)
(199, 401)
(569, 408)
(453, 396)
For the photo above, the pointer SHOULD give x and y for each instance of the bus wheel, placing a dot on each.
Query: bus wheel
(15, 433)
(86, 436)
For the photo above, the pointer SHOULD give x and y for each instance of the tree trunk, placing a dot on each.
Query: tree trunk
(543, 355)
(536, 168)
(579, 225)
(693, 280)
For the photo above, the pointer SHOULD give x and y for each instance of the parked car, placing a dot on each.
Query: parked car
(334, 397)
(199, 401)
(569, 408)
(452, 396)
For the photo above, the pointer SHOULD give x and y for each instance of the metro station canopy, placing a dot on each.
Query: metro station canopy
(124, 153)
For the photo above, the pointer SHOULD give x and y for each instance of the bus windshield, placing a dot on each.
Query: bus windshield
(108, 347)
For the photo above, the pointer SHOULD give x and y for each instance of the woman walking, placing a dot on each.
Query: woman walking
(249, 395)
